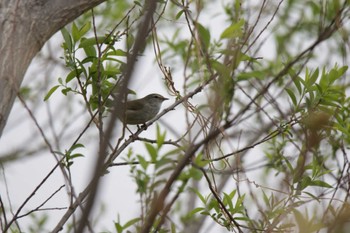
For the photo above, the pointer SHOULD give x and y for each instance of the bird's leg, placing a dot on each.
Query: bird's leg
(128, 129)
(132, 135)
(144, 126)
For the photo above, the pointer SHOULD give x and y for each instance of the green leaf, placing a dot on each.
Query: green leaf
(90, 51)
(321, 183)
(144, 164)
(232, 31)
(205, 213)
(91, 41)
(118, 227)
(173, 228)
(201, 197)
(342, 70)
(249, 75)
(213, 204)
(131, 222)
(227, 200)
(194, 211)
(75, 146)
(117, 52)
(25, 91)
(165, 170)
(239, 202)
(204, 35)
(312, 80)
(232, 194)
(76, 155)
(300, 219)
(335, 74)
(68, 44)
(297, 84)
(75, 32)
(266, 199)
(329, 103)
(221, 69)
(160, 137)
(66, 90)
(195, 173)
(199, 160)
(289, 165)
(178, 15)
(312, 196)
(72, 75)
(51, 91)
(85, 28)
(138, 3)
(305, 182)
(87, 60)
(112, 73)
(292, 96)
(153, 152)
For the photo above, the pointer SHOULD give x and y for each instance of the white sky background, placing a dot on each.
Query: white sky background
(117, 190)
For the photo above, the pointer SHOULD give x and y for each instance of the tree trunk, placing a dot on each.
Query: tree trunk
(25, 25)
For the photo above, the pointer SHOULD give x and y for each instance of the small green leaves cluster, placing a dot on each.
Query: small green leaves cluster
(305, 155)
(321, 100)
(94, 76)
(318, 91)
(211, 207)
(70, 154)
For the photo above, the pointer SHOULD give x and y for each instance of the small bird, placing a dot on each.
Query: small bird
(140, 111)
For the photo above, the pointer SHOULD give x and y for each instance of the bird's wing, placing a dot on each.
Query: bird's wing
(133, 105)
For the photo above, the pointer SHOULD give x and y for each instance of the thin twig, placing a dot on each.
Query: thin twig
(42, 204)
